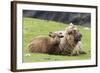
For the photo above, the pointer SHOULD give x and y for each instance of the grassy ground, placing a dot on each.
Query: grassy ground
(35, 27)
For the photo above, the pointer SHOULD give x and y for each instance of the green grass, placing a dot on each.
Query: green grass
(34, 27)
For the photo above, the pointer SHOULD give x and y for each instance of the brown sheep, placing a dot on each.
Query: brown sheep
(69, 43)
(49, 45)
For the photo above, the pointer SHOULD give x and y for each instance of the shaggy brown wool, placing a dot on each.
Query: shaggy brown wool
(71, 38)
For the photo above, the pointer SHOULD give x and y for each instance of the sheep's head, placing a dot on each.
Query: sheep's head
(55, 37)
(75, 34)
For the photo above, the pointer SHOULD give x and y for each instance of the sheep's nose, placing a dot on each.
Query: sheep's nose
(80, 35)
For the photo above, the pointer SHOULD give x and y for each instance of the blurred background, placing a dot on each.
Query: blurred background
(83, 19)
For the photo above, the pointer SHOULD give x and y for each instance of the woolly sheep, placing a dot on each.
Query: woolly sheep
(67, 44)
(49, 45)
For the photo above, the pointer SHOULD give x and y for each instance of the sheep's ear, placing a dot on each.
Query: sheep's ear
(50, 34)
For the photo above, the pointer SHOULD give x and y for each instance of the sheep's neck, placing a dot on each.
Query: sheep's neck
(69, 43)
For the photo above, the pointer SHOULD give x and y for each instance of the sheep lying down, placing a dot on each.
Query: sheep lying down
(49, 45)
(67, 42)
(71, 42)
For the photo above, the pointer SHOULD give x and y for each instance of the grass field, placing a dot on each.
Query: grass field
(34, 27)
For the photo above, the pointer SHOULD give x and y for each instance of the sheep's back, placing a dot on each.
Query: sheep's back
(39, 44)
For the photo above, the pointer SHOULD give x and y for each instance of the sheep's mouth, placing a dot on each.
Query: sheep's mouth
(56, 44)
(77, 39)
